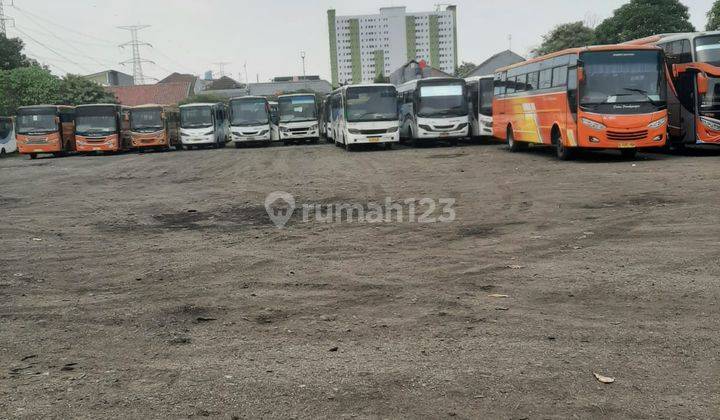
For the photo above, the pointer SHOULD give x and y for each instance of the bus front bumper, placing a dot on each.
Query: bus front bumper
(190, 140)
(622, 139)
(708, 131)
(250, 139)
(104, 144)
(154, 140)
(373, 139)
(442, 135)
(38, 144)
(298, 134)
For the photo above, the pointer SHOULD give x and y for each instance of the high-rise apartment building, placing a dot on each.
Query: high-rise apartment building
(367, 46)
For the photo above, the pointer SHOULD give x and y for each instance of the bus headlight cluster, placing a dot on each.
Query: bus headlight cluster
(284, 129)
(593, 124)
(314, 127)
(354, 131)
(425, 127)
(710, 123)
(657, 124)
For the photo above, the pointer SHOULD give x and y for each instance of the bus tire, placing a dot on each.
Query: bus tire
(3, 154)
(562, 152)
(388, 146)
(349, 147)
(33, 155)
(628, 153)
(513, 145)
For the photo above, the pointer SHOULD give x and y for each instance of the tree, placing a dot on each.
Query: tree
(465, 69)
(642, 18)
(27, 86)
(714, 17)
(382, 79)
(11, 56)
(568, 35)
(77, 90)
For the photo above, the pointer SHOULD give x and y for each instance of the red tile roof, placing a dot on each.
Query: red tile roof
(163, 94)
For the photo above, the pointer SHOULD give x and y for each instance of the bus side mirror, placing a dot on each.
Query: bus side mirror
(581, 74)
(162, 116)
(126, 117)
(702, 82)
(57, 120)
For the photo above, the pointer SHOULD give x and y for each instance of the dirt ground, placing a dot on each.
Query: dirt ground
(155, 285)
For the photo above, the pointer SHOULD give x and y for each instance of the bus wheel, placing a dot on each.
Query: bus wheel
(563, 152)
(33, 155)
(2, 154)
(628, 153)
(514, 146)
(388, 146)
(349, 147)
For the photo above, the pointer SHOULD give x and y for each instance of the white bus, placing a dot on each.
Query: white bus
(480, 100)
(434, 109)
(203, 125)
(7, 137)
(250, 120)
(298, 118)
(364, 114)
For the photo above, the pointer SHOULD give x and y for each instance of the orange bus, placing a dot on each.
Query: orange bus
(155, 127)
(45, 129)
(600, 97)
(102, 128)
(694, 96)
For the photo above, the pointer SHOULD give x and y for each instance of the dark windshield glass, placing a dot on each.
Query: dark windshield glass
(710, 102)
(486, 96)
(622, 77)
(36, 123)
(197, 117)
(5, 129)
(95, 124)
(249, 112)
(371, 104)
(146, 120)
(707, 49)
(442, 101)
(297, 108)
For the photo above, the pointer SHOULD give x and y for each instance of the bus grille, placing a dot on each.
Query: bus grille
(625, 136)
(381, 131)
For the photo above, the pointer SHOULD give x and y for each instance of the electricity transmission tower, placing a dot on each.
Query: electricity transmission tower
(136, 61)
(221, 68)
(3, 19)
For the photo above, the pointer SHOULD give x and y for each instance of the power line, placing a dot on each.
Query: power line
(109, 43)
(136, 60)
(51, 50)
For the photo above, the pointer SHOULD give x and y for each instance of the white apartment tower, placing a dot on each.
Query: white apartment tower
(365, 47)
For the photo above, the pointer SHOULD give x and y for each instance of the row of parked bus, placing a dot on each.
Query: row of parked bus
(58, 129)
(649, 93)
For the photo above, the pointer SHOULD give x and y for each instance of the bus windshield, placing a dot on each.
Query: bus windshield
(38, 122)
(707, 49)
(196, 117)
(297, 108)
(710, 101)
(442, 101)
(622, 77)
(249, 112)
(96, 121)
(486, 96)
(371, 104)
(146, 119)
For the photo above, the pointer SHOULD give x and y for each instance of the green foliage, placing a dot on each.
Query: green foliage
(381, 79)
(642, 18)
(77, 90)
(203, 98)
(568, 35)
(11, 56)
(713, 16)
(27, 86)
(464, 69)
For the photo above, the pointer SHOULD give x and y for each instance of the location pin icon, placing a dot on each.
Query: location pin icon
(280, 206)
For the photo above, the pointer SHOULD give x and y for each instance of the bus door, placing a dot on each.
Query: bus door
(573, 103)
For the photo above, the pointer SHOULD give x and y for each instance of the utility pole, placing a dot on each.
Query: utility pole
(302, 55)
(510, 42)
(221, 68)
(136, 60)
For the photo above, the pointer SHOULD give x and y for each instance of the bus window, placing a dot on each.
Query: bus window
(559, 76)
(499, 85)
(546, 79)
(520, 84)
(510, 85)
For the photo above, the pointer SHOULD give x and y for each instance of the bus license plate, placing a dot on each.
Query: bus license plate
(373, 139)
(626, 145)
(444, 134)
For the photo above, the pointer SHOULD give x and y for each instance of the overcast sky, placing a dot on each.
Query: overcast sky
(189, 36)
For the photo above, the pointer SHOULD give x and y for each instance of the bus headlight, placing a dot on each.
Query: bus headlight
(657, 124)
(710, 123)
(284, 129)
(354, 131)
(393, 129)
(425, 127)
(593, 124)
(314, 127)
